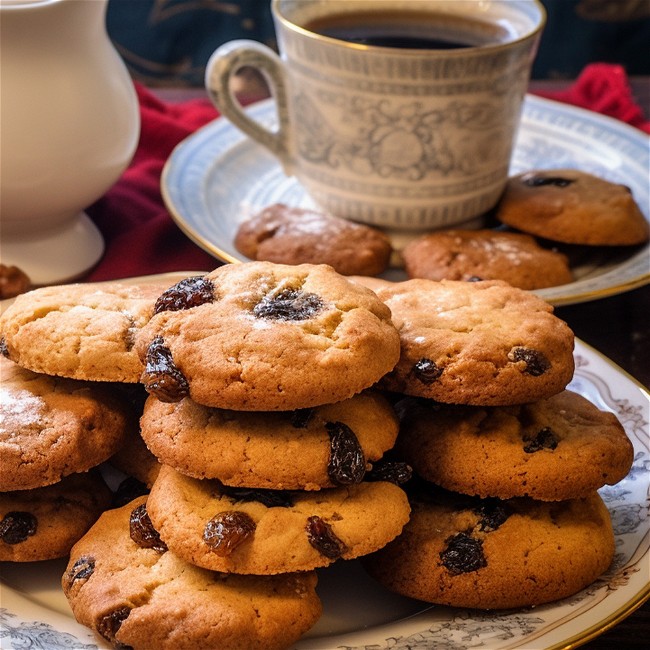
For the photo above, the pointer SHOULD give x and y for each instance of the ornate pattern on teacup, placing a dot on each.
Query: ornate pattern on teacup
(400, 138)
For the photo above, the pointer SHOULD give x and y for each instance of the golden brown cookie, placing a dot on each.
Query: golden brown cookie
(82, 331)
(516, 258)
(136, 460)
(13, 281)
(273, 531)
(264, 337)
(492, 554)
(559, 448)
(482, 343)
(289, 235)
(51, 427)
(44, 523)
(123, 583)
(288, 450)
(573, 207)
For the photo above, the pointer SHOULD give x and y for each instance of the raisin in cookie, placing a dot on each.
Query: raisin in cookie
(515, 258)
(482, 343)
(51, 427)
(559, 448)
(122, 582)
(81, 331)
(264, 337)
(273, 531)
(44, 523)
(288, 235)
(573, 207)
(492, 554)
(288, 450)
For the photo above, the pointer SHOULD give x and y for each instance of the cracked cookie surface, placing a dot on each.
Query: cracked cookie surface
(290, 235)
(43, 523)
(251, 449)
(271, 337)
(493, 554)
(281, 531)
(51, 427)
(559, 448)
(515, 258)
(567, 205)
(126, 586)
(483, 343)
(81, 331)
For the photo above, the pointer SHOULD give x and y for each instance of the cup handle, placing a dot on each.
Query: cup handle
(223, 64)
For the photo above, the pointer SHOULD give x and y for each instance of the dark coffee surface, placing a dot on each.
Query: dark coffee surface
(408, 30)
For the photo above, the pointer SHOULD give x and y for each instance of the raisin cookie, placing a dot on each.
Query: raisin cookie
(492, 554)
(482, 343)
(289, 235)
(573, 207)
(81, 331)
(264, 337)
(123, 583)
(13, 281)
(237, 530)
(516, 258)
(136, 460)
(559, 448)
(282, 450)
(51, 427)
(44, 523)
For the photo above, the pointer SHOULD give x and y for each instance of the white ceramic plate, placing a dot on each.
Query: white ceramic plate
(218, 177)
(360, 615)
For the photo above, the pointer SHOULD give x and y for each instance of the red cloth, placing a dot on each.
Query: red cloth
(140, 235)
(604, 88)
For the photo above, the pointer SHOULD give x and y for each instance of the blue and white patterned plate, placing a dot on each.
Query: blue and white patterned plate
(218, 177)
(360, 615)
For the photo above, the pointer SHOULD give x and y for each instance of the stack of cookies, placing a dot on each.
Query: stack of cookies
(263, 451)
(62, 415)
(506, 511)
(53, 433)
(261, 416)
(281, 409)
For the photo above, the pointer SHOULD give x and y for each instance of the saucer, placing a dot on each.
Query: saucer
(218, 177)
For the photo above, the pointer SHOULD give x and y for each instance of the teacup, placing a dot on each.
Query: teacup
(381, 118)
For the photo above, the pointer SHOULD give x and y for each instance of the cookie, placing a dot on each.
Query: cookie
(51, 427)
(273, 531)
(515, 258)
(492, 554)
(264, 337)
(289, 235)
(573, 207)
(44, 523)
(482, 343)
(136, 460)
(559, 448)
(80, 331)
(123, 583)
(372, 283)
(13, 281)
(283, 450)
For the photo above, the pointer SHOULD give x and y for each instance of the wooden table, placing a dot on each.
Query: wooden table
(619, 327)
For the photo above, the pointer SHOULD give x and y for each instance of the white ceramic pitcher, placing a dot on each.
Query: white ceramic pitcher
(70, 123)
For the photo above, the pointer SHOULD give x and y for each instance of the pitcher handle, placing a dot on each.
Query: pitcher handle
(223, 64)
